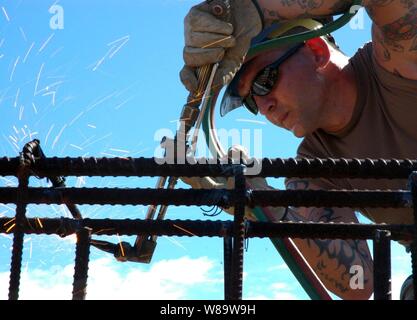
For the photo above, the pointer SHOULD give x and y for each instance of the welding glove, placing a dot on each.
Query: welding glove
(256, 183)
(209, 40)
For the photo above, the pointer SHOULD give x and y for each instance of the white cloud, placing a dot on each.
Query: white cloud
(166, 279)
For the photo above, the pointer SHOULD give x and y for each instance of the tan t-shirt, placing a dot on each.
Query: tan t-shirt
(384, 125)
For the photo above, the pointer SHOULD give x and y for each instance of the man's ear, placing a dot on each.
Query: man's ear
(321, 51)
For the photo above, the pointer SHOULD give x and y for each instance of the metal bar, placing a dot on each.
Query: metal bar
(82, 255)
(17, 249)
(238, 234)
(219, 197)
(302, 230)
(413, 246)
(313, 168)
(322, 198)
(227, 252)
(114, 196)
(382, 265)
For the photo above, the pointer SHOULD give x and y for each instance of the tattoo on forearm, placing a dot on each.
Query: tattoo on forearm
(403, 29)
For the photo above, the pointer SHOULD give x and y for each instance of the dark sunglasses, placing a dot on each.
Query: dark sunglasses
(265, 80)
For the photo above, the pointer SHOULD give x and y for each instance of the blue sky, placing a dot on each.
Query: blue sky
(107, 85)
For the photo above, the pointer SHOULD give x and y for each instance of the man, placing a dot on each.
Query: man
(362, 107)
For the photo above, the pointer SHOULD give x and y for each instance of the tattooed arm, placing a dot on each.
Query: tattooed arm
(332, 260)
(294, 9)
(394, 35)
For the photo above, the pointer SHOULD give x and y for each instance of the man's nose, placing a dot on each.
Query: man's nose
(266, 105)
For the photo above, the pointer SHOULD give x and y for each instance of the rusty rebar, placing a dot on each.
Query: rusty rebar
(218, 197)
(188, 228)
(382, 265)
(412, 181)
(299, 167)
(227, 258)
(82, 256)
(17, 248)
(238, 234)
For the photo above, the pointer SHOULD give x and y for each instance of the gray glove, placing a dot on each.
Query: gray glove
(223, 183)
(209, 40)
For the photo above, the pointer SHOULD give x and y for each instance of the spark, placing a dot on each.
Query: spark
(22, 108)
(53, 96)
(123, 103)
(216, 42)
(10, 221)
(34, 108)
(6, 206)
(37, 79)
(98, 64)
(5, 14)
(80, 182)
(1, 42)
(115, 47)
(16, 97)
(46, 43)
(13, 138)
(58, 136)
(27, 53)
(108, 154)
(31, 134)
(76, 147)
(14, 68)
(56, 52)
(76, 118)
(184, 230)
(10, 228)
(23, 34)
(121, 246)
(126, 89)
(124, 40)
(119, 150)
(39, 222)
(1, 55)
(99, 139)
(177, 243)
(15, 130)
(100, 101)
(251, 121)
(30, 251)
(92, 126)
(49, 132)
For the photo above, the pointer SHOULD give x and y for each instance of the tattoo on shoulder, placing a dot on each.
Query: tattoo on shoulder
(407, 3)
(403, 29)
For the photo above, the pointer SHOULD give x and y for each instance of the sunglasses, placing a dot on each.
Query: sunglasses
(265, 80)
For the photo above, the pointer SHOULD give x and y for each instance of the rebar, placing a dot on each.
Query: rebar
(189, 228)
(299, 167)
(82, 256)
(17, 248)
(382, 265)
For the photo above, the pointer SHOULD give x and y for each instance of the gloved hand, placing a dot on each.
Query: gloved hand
(229, 183)
(209, 40)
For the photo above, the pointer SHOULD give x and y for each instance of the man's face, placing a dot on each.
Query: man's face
(296, 100)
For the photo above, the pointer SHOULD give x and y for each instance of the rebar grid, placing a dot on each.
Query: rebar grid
(234, 232)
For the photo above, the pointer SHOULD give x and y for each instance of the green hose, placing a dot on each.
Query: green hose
(285, 40)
